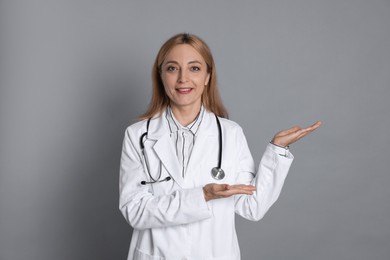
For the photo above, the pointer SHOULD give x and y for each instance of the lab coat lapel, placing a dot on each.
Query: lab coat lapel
(206, 136)
(164, 148)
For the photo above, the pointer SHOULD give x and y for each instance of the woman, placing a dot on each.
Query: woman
(177, 205)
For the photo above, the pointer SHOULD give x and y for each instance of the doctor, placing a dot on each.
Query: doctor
(186, 170)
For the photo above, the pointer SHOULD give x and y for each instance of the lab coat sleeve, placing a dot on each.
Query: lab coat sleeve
(141, 208)
(268, 179)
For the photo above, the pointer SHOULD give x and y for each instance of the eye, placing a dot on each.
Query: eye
(195, 68)
(171, 68)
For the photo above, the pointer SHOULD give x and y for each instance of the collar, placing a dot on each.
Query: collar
(175, 126)
(159, 127)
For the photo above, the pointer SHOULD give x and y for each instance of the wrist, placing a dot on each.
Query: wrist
(280, 145)
(206, 194)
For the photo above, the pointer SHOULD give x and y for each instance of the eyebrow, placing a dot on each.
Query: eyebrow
(175, 62)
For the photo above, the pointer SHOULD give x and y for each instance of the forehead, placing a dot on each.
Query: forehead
(183, 53)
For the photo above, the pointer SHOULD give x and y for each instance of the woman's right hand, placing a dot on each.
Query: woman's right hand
(216, 191)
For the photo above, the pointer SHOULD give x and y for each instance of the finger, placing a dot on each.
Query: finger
(241, 190)
(298, 129)
(228, 193)
(235, 189)
(316, 125)
(288, 131)
(311, 128)
(305, 132)
(241, 186)
(293, 137)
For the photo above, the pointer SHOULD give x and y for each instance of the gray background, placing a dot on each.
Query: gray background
(74, 74)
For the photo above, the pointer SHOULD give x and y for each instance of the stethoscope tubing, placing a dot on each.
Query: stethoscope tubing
(217, 172)
(220, 142)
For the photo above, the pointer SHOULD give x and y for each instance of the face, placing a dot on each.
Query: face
(184, 75)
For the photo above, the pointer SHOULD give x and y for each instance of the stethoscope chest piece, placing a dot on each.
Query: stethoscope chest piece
(217, 173)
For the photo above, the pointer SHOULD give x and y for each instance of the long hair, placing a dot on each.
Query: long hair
(211, 99)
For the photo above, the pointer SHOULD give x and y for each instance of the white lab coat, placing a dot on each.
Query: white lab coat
(171, 219)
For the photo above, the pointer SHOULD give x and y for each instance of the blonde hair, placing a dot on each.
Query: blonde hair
(210, 97)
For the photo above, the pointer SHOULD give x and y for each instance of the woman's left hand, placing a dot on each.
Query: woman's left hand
(217, 191)
(286, 137)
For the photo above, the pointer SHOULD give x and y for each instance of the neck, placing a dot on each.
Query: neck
(185, 115)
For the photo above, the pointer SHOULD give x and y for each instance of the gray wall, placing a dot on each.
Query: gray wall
(74, 74)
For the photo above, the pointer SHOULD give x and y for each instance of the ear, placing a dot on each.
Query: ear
(207, 79)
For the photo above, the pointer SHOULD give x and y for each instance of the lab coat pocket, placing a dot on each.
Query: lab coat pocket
(139, 255)
(165, 184)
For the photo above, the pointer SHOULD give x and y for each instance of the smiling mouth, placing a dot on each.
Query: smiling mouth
(184, 90)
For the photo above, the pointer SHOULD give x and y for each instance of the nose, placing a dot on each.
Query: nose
(183, 76)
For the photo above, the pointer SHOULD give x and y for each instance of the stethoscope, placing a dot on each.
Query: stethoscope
(217, 172)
